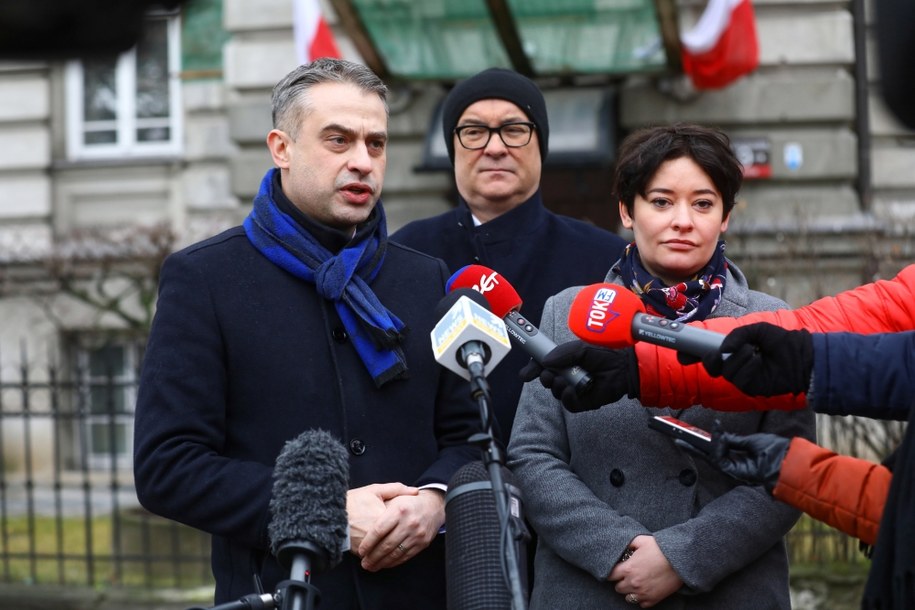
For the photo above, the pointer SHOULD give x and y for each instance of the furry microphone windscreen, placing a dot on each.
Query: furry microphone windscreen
(311, 478)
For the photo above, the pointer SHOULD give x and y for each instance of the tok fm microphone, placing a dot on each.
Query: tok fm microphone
(611, 316)
(309, 528)
(505, 302)
(468, 337)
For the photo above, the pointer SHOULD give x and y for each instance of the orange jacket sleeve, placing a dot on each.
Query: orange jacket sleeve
(882, 306)
(844, 492)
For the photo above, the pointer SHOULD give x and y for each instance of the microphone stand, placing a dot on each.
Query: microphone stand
(254, 601)
(493, 460)
(288, 593)
(292, 593)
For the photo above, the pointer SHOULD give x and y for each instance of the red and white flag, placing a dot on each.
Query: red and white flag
(313, 37)
(722, 46)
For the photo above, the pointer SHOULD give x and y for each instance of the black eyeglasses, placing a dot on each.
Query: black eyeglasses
(513, 135)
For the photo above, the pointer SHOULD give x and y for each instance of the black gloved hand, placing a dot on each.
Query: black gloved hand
(764, 360)
(753, 458)
(614, 374)
(687, 359)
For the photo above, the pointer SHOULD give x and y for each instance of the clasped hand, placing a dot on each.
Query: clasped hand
(391, 522)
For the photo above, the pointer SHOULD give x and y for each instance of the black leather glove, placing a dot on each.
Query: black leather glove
(753, 458)
(687, 359)
(614, 374)
(764, 360)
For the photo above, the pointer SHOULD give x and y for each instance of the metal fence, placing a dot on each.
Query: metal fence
(69, 514)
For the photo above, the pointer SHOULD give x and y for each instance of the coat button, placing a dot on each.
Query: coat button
(357, 446)
(687, 477)
(339, 334)
(617, 478)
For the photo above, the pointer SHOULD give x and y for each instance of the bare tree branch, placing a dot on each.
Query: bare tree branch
(114, 271)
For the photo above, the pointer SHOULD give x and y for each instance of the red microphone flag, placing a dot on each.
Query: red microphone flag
(602, 314)
(501, 296)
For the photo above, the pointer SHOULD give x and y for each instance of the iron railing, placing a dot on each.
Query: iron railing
(69, 514)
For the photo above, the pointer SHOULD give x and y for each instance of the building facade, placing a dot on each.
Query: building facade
(107, 164)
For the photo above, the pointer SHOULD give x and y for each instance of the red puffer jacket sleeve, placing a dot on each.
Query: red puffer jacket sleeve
(882, 306)
(844, 492)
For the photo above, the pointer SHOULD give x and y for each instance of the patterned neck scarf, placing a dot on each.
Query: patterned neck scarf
(342, 278)
(694, 299)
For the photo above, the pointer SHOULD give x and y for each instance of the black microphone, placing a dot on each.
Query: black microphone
(476, 543)
(309, 526)
(505, 302)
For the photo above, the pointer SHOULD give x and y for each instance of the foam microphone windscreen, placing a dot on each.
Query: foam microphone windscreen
(498, 292)
(602, 314)
(475, 554)
(308, 506)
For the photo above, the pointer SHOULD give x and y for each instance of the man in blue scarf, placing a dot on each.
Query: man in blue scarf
(306, 317)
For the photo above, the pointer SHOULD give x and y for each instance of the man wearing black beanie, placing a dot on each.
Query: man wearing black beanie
(497, 83)
(497, 132)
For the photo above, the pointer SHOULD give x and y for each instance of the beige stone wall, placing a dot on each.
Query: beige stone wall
(810, 217)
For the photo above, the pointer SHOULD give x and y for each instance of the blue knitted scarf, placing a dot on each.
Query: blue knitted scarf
(343, 278)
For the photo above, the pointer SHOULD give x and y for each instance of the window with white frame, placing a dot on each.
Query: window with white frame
(106, 384)
(128, 105)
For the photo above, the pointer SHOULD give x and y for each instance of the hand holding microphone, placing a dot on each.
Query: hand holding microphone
(759, 359)
(609, 315)
(614, 374)
(764, 360)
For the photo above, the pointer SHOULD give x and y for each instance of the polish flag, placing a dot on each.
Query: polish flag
(722, 46)
(313, 38)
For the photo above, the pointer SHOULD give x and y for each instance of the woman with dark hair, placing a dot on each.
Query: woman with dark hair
(624, 516)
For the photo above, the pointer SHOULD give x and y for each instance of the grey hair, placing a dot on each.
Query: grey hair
(290, 95)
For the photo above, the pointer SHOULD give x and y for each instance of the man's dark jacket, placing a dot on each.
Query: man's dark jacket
(242, 357)
(537, 251)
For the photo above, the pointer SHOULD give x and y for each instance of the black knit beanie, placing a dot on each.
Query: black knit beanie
(496, 83)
